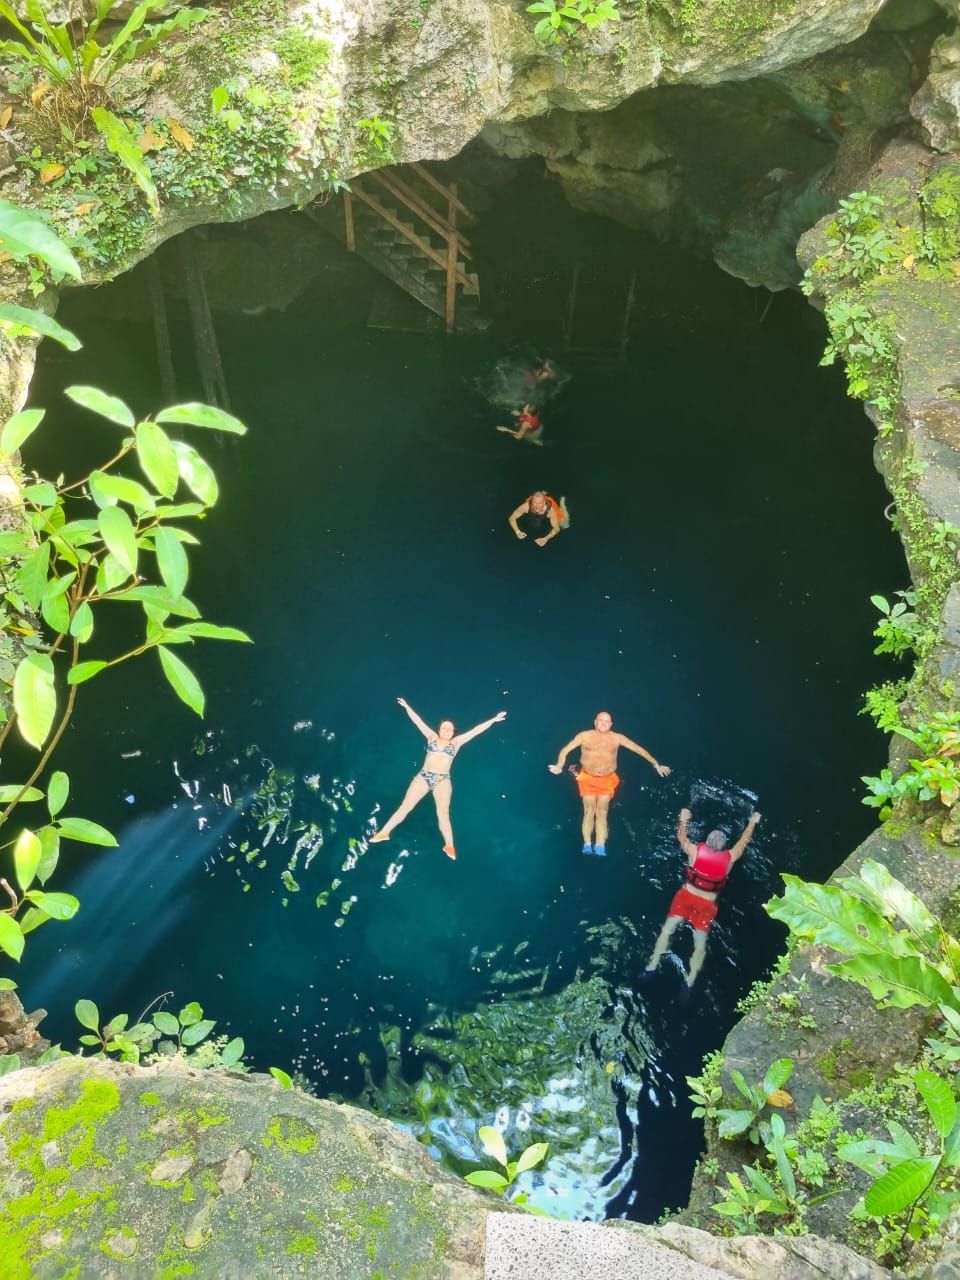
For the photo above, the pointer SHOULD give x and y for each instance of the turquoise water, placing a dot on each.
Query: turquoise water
(712, 594)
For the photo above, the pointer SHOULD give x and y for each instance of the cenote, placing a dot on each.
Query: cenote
(712, 593)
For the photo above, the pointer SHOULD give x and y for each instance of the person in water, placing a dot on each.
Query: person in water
(529, 426)
(708, 866)
(543, 517)
(597, 776)
(434, 777)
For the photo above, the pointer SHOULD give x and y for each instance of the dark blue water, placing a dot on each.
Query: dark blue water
(712, 594)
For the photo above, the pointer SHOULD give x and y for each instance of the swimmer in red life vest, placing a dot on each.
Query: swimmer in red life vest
(708, 865)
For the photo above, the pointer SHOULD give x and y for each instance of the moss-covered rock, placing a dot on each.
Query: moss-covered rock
(170, 1172)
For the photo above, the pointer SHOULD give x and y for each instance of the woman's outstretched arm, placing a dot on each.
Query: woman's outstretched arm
(477, 729)
(424, 728)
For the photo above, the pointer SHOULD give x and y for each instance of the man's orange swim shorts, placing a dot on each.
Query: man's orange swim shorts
(701, 912)
(589, 784)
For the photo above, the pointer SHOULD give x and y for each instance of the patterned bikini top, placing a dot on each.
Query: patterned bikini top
(449, 750)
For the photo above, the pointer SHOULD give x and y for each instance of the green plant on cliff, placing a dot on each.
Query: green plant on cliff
(29, 239)
(899, 627)
(735, 1122)
(934, 775)
(882, 704)
(492, 1142)
(561, 20)
(164, 1035)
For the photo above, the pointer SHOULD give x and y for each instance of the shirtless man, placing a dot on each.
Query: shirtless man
(597, 776)
(708, 865)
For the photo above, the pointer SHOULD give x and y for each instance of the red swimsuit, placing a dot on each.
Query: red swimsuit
(708, 872)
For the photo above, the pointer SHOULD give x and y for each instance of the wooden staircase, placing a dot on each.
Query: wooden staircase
(405, 223)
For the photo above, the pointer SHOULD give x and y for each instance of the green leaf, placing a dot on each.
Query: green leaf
(107, 490)
(196, 473)
(25, 234)
(171, 560)
(33, 574)
(86, 832)
(55, 610)
(733, 1123)
(162, 599)
(209, 631)
(7, 984)
(881, 890)
(202, 415)
(11, 792)
(58, 906)
(43, 494)
(232, 1052)
(831, 917)
(900, 1186)
(219, 97)
(50, 841)
(85, 671)
(27, 320)
(939, 1100)
(778, 1073)
(19, 428)
(951, 1148)
(158, 458)
(106, 406)
(532, 1156)
(81, 625)
(123, 144)
(279, 1074)
(9, 1062)
(896, 981)
(198, 1031)
(11, 937)
(190, 1014)
(26, 858)
(35, 698)
(492, 1142)
(185, 684)
(487, 1178)
(117, 531)
(88, 1015)
(166, 1023)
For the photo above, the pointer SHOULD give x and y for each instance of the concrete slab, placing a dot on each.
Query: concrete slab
(523, 1247)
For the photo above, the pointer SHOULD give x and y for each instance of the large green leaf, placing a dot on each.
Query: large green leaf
(531, 1156)
(158, 458)
(13, 792)
(19, 428)
(197, 474)
(898, 981)
(492, 1142)
(117, 531)
(887, 895)
(171, 560)
(488, 1179)
(107, 490)
(830, 917)
(11, 937)
(184, 682)
(123, 144)
(85, 671)
(88, 1015)
(86, 831)
(26, 234)
(58, 906)
(210, 631)
(202, 415)
(26, 858)
(81, 625)
(778, 1073)
(105, 406)
(733, 1123)
(900, 1186)
(939, 1099)
(19, 320)
(50, 841)
(35, 698)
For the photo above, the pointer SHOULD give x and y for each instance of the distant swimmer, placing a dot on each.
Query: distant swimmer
(514, 379)
(597, 776)
(708, 866)
(529, 426)
(543, 517)
(434, 777)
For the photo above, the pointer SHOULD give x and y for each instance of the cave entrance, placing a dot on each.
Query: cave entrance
(727, 531)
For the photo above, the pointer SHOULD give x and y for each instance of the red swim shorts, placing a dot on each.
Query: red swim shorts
(701, 912)
(590, 784)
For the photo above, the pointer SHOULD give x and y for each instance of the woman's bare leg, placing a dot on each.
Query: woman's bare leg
(666, 933)
(415, 793)
(442, 795)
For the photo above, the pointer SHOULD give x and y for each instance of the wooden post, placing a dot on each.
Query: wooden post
(627, 312)
(348, 220)
(452, 255)
(161, 329)
(205, 336)
(572, 305)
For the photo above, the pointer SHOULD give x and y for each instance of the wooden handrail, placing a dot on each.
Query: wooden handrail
(428, 178)
(426, 249)
(407, 196)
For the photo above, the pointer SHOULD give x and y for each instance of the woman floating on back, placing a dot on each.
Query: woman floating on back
(434, 777)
